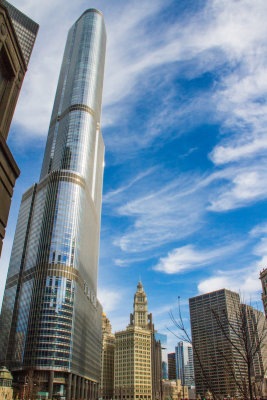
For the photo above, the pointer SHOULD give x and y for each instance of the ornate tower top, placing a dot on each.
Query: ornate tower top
(140, 317)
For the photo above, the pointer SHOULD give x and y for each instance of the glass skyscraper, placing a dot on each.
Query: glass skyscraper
(51, 321)
(185, 364)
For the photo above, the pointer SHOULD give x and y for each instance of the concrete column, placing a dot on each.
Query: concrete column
(68, 391)
(94, 390)
(82, 389)
(86, 390)
(90, 390)
(78, 394)
(73, 396)
(50, 384)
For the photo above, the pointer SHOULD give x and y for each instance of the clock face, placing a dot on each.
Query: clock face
(141, 307)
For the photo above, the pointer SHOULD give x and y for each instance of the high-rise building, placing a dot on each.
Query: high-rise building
(25, 28)
(51, 321)
(137, 366)
(224, 333)
(263, 278)
(107, 360)
(257, 342)
(172, 366)
(213, 353)
(13, 66)
(184, 363)
(164, 353)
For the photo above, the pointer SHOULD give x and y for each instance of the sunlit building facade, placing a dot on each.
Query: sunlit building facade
(51, 320)
(107, 360)
(137, 363)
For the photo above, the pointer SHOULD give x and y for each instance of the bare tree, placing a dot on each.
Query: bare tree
(245, 330)
(183, 335)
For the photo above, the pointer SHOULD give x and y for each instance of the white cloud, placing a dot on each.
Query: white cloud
(245, 279)
(113, 194)
(110, 299)
(187, 258)
(224, 154)
(222, 31)
(245, 282)
(166, 214)
(244, 186)
(259, 230)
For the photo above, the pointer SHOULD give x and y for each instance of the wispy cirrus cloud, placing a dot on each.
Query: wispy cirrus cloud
(244, 279)
(112, 195)
(164, 215)
(241, 187)
(216, 34)
(186, 258)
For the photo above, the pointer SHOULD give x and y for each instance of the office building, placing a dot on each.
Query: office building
(107, 360)
(51, 321)
(164, 353)
(184, 363)
(217, 318)
(257, 342)
(263, 278)
(25, 28)
(13, 66)
(172, 366)
(137, 367)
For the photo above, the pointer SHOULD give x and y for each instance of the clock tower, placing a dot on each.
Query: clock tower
(140, 316)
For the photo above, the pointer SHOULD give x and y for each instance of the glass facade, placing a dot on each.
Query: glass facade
(185, 364)
(51, 318)
(26, 29)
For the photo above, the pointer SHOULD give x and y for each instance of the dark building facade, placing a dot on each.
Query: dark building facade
(171, 366)
(15, 51)
(51, 321)
(223, 330)
(210, 345)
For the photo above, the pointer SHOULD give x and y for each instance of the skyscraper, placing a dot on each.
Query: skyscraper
(51, 320)
(229, 341)
(213, 353)
(184, 363)
(15, 51)
(137, 365)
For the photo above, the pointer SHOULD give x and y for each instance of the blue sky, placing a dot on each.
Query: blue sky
(184, 123)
